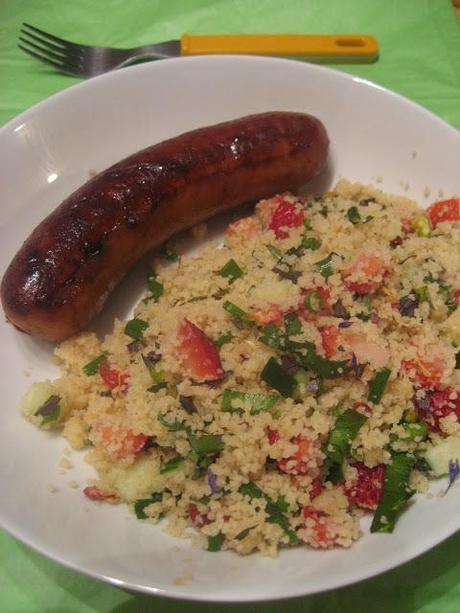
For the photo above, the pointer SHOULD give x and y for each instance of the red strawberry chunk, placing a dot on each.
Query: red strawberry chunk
(444, 210)
(367, 490)
(198, 518)
(324, 533)
(273, 436)
(435, 405)
(305, 461)
(371, 269)
(330, 336)
(316, 488)
(198, 354)
(426, 373)
(286, 215)
(112, 377)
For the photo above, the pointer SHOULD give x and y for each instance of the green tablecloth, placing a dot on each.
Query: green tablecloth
(420, 58)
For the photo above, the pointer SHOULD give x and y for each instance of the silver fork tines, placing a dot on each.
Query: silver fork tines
(84, 60)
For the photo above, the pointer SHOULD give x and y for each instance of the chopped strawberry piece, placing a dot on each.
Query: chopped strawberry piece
(198, 518)
(113, 378)
(444, 210)
(273, 436)
(117, 441)
(323, 531)
(362, 407)
(305, 461)
(370, 269)
(367, 490)
(286, 215)
(198, 354)
(330, 336)
(274, 313)
(435, 405)
(94, 493)
(425, 373)
(316, 488)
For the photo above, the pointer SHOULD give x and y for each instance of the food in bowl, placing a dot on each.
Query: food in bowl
(270, 391)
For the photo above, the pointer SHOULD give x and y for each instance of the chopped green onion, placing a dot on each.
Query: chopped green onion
(231, 270)
(156, 288)
(157, 376)
(142, 503)
(93, 367)
(347, 426)
(328, 369)
(172, 465)
(307, 223)
(377, 387)
(314, 302)
(310, 242)
(276, 377)
(292, 324)
(276, 253)
(353, 215)
(135, 328)
(325, 266)
(396, 492)
(244, 533)
(215, 542)
(256, 402)
(50, 410)
(224, 339)
(238, 313)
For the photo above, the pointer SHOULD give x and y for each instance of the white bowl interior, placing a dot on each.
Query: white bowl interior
(376, 136)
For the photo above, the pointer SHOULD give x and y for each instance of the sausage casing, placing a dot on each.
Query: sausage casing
(63, 273)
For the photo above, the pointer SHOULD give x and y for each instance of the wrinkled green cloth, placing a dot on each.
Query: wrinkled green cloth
(420, 58)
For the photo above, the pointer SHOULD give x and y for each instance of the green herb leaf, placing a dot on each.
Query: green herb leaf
(215, 542)
(256, 402)
(155, 287)
(135, 328)
(273, 337)
(347, 426)
(224, 339)
(209, 444)
(142, 503)
(93, 367)
(174, 426)
(377, 387)
(238, 313)
(276, 253)
(231, 270)
(292, 324)
(244, 533)
(416, 431)
(327, 369)
(172, 465)
(353, 215)
(325, 266)
(310, 242)
(276, 377)
(396, 492)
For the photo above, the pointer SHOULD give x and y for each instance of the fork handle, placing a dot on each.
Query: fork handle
(314, 47)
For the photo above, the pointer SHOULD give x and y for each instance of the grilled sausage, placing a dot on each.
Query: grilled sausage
(63, 273)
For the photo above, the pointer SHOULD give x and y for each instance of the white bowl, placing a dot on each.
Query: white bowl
(45, 153)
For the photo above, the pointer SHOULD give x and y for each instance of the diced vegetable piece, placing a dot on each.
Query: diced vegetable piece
(444, 210)
(135, 328)
(275, 376)
(92, 367)
(325, 266)
(142, 503)
(172, 465)
(36, 397)
(224, 339)
(151, 359)
(396, 492)
(276, 253)
(367, 490)
(215, 542)
(421, 225)
(138, 480)
(96, 494)
(439, 455)
(198, 354)
(422, 293)
(50, 410)
(112, 377)
(314, 302)
(238, 313)
(256, 402)
(231, 270)
(292, 324)
(328, 369)
(416, 431)
(273, 337)
(377, 387)
(156, 288)
(347, 426)
(188, 404)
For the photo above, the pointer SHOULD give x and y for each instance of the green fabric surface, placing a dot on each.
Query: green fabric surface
(420, 58)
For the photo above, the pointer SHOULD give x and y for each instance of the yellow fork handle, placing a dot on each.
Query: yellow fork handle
(332, 48)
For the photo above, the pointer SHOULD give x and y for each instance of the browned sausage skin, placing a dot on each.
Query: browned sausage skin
(63, 273)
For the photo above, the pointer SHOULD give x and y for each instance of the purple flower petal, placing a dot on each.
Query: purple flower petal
(212, 481)
(312, 387)
(454, 471)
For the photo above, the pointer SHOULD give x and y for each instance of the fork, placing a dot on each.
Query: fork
(88, 61)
